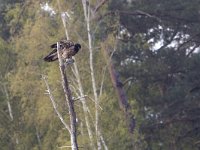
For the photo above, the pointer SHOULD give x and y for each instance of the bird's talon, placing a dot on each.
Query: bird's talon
(65, 64)
(69, 61)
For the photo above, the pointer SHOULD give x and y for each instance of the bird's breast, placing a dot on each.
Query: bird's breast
(65, 54)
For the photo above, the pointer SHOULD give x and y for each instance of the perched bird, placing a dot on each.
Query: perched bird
(67, 50)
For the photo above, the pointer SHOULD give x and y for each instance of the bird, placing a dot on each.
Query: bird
(67, 50)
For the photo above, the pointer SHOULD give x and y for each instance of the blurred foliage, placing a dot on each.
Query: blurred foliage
(155, 46)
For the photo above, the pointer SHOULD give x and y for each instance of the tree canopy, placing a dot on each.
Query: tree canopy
(149, 50)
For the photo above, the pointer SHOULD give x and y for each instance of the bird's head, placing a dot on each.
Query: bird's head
(77, 47)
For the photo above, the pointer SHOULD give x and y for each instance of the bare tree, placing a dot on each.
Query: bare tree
(69, 100)
(86, 8)
(68, 97)
(79, 85)
(85, 107)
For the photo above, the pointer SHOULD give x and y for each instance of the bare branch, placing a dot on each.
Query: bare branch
(80, 98)
(192, 50)
(170, 40)
(61, 147)
(84, 105)
(191, 39)
(127, 80)
(63, 20)
(104, 71)
(8, 102)
(103, 142)
(99, 5)
(141, 13)
(102, 81)
(86, 9)
(54, 104)
(132, 13)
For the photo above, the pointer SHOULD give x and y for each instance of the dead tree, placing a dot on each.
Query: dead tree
(86, 9)
(79, 85)
(70, 102)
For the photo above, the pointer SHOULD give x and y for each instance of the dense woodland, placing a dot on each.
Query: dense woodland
(135, 82)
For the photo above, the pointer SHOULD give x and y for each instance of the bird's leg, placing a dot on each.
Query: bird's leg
(69, 61)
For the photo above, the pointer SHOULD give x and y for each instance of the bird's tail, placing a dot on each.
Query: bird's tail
(50, 58)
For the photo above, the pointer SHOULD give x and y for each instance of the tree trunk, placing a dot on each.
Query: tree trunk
(85, 108)
(121, 94)
(86, 8)
(69, 100)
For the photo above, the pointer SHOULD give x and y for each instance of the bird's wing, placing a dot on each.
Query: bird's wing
(66, 44)
(53, 51)
(51, 56)
(63, 44)
(68, 52)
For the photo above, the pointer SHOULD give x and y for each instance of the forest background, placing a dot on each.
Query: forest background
(135, 82)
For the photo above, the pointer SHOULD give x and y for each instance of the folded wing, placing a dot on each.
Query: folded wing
(52, 56)
(67, 51)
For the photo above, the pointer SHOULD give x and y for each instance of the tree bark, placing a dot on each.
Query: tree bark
(85, 107)
(121, 94)
(54, 104)
(89, 130)
(86, 8)
(80, 87)
(69, 100)
(8, 102)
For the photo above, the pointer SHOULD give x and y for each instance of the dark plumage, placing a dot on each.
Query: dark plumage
(67, 50)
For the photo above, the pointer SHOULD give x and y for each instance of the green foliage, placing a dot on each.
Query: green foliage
(163, 76)
(159, 80)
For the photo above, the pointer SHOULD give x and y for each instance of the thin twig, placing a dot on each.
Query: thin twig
(99, 5)
(54, 104)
